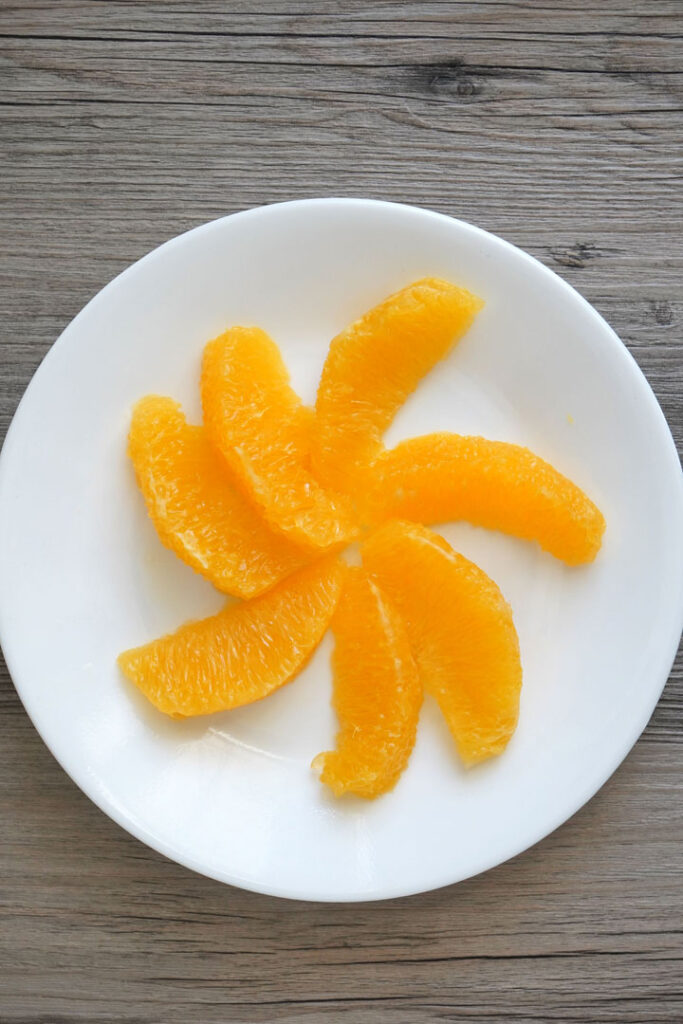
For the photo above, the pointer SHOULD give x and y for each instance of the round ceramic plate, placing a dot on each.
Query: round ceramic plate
(84, 575)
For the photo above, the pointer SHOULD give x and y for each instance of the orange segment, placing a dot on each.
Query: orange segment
(442, 477)
(377, 692)
(461, 632)
(196, 507)
(263, 431)
(374, 365)
(244, 652)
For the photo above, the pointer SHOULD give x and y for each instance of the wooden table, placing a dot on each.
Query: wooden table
(556, 124)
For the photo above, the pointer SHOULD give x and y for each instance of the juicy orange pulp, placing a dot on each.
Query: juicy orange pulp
(444, 477)
(197, 507)
(374, 365)
(377, 692)
(267, 485)
(259, 425)
(460, 630)
(244, 652)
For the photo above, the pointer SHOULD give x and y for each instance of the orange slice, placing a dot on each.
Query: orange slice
(263, 431)
(443, 477)
(377, 692)
(244, 652)
(461, 632)
(374, 365)
(196, 507)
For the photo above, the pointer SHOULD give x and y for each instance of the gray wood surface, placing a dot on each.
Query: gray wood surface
(556, 124)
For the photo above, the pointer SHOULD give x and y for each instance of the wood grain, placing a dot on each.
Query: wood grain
(556, 124)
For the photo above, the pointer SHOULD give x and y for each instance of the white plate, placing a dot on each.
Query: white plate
(84, 576)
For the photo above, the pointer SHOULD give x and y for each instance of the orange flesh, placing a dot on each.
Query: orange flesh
(259, 425)
(244, 652)
(197, 508)
(461, 632)
(267, 486)
(374, 365)
(377, 692)
(443, 477)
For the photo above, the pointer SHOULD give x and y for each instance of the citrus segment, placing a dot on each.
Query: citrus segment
(374, 365)
(263, 431)
(197, 508)
(377, 692)
(244, 652)
(461, 632)
(443, 477)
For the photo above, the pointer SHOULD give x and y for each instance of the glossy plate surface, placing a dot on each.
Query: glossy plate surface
(83, 575)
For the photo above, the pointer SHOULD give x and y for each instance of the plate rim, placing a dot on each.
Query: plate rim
(659, 674)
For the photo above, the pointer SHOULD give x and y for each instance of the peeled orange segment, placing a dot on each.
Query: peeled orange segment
(197, 508)
(374, 365)
(244, 652)
(259, 425)
(443, 477)
(377, 692)
(461, 632)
